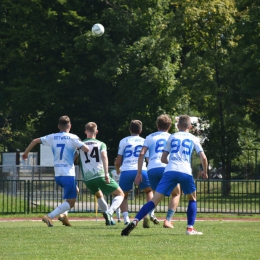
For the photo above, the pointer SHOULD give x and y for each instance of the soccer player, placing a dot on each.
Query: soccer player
(155, 143)
(94, 167)
(63, 145)
(126, 162)
(179, 147)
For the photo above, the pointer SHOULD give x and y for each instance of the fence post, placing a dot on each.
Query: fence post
(14, 180)
(28, 183)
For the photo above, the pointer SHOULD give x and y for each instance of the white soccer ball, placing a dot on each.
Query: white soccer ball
(98, 29)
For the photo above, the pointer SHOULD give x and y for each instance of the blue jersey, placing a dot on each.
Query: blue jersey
(180, 146)
(155, 143)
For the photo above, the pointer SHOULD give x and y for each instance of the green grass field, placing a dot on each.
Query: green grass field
(93, 240)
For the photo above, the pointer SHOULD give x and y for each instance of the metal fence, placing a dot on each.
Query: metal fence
(32, 189)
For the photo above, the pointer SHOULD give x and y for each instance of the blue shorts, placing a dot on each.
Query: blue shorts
(68, 183)
(127, 179)
(155, 176)
(170, 180)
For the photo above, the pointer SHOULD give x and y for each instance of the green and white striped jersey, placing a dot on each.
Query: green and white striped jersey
(91, 163)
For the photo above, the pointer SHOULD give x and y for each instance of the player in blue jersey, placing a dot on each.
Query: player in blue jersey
(155, 143)
(126, 162)
(63, 146)
(179, 147)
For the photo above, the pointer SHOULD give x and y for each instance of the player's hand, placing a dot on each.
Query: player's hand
(204, 175)
(138, 179)
(107, 178)
(25, 156)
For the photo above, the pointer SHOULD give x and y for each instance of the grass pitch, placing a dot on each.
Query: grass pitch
(90, 239)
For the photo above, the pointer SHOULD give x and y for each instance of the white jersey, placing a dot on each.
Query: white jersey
(91, 162)
(130, 148)
(155, 143)
(63, 146)
(180, 147)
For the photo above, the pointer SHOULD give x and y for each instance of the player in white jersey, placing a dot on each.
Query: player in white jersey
(154, 143)
(63, 146)
(179, 147)
(94, 167)
(126, 162)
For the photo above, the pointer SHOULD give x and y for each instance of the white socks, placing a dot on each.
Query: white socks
(126, 217)
(102, 204)
(116, 202)
(118, 213)
(65, 206)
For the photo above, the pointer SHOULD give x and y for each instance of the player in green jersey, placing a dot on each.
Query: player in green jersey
(94, 167)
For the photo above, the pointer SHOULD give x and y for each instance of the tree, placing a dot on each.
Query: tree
(207, 79)
(247, 57)
(52, 65)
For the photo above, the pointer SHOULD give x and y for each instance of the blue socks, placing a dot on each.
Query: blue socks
(145, 210)
(191, 212)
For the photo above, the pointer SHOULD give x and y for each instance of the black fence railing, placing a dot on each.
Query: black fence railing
(213, 196)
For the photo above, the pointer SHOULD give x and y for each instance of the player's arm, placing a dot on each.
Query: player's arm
(138, 177)
(85, 148)
(105, 165)
(118, 163)
(164, 158)
(30, 147)
(204, 163)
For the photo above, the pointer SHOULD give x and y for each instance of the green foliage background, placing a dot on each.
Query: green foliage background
(195, 57)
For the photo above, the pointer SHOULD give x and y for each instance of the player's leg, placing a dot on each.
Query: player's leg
(149, 195)
(175, 198)
(70, 193)
(154, 176)
(146, 187)
(142, 213)
(118, 195)
(189, 189)
(111, 188)
(102, 204)
(66, 213)
(94, 186)
(63, 217)
(124, 208)
(126, 184)
(191, 215)
(118, 214)
(164, 188)
(118, 210)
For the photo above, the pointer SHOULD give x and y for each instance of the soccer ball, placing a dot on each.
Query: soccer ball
(98, 29)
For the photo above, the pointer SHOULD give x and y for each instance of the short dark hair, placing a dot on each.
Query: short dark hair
(164, 122)
(64, 120)
(136, 126)
(184, 122)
